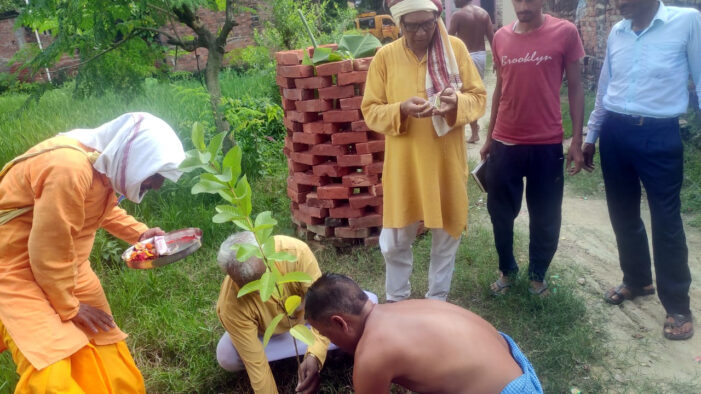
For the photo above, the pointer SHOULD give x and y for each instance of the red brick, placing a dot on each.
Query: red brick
(283, 82)
(314, 211)
(348, 138)
(351, 103)
(307, 158)
(296, 196)
(362, 64)
(326, 149)
(314, 127)
(300, 71)
(334, 68)
(297, 167)
(363, 200)
(341, 116)
(314, 201)
(370, 147)
(372, 220)
(313, 105)
(288, 104)
(322, 230)
(359, 180)
(313, 82)
(302, 117)
(352, 77)
(348, 232)
(372, 240)
(309, 139)
(330, 128)
(333, 192)
(305, 218)
(345, 211)
(289, 58)
(298, 94)
(304, 178)
(374, 168)
(359, 126)
(291, 125)
(294, 147)
(330, 169)
(354, 160)
(375, 190)
(293, 185)
(337, 92)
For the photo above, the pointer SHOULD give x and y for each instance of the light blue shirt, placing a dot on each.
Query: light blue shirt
(647, 74)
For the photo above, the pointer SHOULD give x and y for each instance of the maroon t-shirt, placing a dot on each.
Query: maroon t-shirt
(531, 67)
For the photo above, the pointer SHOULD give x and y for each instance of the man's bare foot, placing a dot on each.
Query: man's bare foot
(475, 137)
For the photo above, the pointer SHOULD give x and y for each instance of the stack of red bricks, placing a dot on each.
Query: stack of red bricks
(335, 161)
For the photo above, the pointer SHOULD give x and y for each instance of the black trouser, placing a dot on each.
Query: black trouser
(543, 167)
(651, 153)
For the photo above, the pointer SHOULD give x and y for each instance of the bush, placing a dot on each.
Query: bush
(256, 126)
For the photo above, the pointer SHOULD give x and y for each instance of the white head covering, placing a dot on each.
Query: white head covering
(133, 147)
(442, 68)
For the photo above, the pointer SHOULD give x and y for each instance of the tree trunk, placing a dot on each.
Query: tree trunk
(214, 62)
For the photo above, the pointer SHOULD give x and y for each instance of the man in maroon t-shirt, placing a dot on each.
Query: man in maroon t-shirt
(525, 134)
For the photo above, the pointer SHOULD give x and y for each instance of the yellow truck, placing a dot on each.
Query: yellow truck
(380, 26)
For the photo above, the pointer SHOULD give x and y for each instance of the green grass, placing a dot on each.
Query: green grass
(170, 312)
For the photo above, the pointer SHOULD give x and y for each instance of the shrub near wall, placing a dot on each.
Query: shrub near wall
(335, 161)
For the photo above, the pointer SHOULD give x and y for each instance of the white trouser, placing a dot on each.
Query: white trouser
(279, 347)
(395, 244)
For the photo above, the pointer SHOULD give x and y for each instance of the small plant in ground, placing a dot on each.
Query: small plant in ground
(224, 178)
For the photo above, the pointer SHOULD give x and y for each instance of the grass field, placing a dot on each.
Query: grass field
(170, 312)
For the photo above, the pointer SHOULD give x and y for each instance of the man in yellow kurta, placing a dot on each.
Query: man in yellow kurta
(245, 319)
(420, 92)
(54, 316)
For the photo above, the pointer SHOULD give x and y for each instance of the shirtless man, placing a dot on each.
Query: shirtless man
(472, 24)
(426, 346)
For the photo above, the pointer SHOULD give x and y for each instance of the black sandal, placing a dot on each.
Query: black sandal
(632, 293)
(679, 321)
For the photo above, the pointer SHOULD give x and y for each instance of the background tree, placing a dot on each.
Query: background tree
(119, 36)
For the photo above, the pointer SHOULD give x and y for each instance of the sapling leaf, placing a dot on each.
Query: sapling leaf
(271, 328)
(291, 304)
(246, 251)
(192, 161)
(303, 333)
(249, 287)
(206, 186)
(265, 220)
(243, 224)
(282, 256)
(223, 217)
(232, 159)
(267, 285)
(295, 276)
(215, 144)
(263, 234)
(269, 246)
(198, 136)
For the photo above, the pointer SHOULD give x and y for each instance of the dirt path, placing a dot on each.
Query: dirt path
(637, 353)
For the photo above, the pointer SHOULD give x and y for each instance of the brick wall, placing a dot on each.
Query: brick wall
(11, 40)
(334, 160)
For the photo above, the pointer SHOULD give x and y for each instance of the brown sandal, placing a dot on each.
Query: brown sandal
(632, 293)
(679, 321)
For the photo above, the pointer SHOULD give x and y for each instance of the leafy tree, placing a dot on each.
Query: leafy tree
(10, 5)
(132, 30)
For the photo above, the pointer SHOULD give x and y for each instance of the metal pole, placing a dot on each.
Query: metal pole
(41, 47)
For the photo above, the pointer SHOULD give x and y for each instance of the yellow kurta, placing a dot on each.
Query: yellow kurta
(246, 318)
(424, 176)
(44, 267)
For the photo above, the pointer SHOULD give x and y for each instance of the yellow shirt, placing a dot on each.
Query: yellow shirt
(44, 267)
(424, 176)
(246, 318)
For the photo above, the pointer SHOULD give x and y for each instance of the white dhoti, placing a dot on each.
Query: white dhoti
(480, 60)
(395, 244)
(279, 347)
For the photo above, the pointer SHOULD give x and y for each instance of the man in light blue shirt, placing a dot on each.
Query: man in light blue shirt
(642, 91)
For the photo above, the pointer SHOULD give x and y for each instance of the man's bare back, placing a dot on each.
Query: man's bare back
(472, 24)
(430, 346)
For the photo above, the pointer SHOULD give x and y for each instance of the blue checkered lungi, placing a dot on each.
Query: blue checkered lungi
(527, 383)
